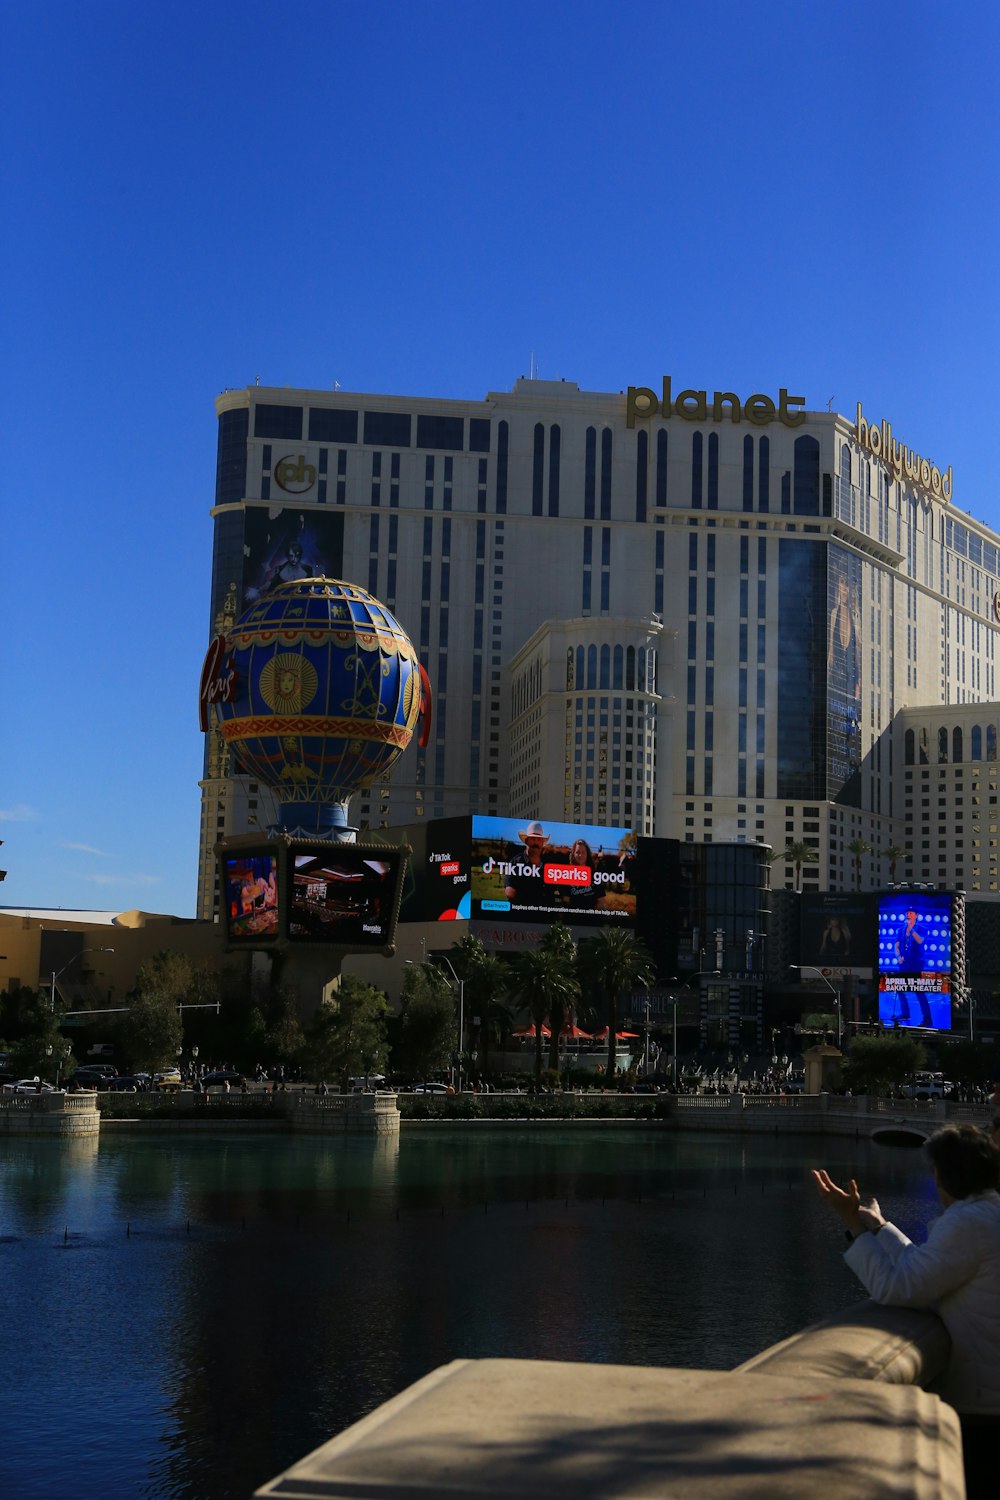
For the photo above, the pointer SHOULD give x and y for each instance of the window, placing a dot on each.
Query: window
(387, 429)
(327, 426)
(277, 421)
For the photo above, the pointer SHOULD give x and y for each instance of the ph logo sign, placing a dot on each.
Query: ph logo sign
(294, 475)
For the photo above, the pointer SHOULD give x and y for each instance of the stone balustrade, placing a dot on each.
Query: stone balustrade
(353, 1114)
(56, 1113)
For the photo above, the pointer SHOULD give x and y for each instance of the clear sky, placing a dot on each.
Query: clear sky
(415, 198)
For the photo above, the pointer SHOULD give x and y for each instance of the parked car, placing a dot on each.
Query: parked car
(927, 1086)
(219, 1080)
(95, 1075)
(431, 1088)
(129, 1084)
(28, 1086)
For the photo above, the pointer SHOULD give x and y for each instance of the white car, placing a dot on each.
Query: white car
(28, 1086)
(928, 1086)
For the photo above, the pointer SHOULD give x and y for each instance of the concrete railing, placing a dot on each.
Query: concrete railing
(56, 1113)
(837, 1411)
(361, 1114)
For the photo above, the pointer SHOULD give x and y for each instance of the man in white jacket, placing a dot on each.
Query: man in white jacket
(956, 1273)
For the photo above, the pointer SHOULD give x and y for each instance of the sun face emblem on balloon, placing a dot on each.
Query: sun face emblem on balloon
(288, 683)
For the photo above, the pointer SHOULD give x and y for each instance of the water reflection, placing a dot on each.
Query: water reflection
(223, 1303)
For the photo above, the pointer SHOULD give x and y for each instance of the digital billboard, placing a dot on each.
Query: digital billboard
(914, 959)
(344, 894)
(837, 931)
(251, 895)
(280, 546)
(447, 897)
(538, 872)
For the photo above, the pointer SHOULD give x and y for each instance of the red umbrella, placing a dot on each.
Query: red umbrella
(575, 1034)
(602, 1036)
(530, 1031)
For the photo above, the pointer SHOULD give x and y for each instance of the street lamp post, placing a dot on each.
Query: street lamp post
(56, 973)
(645, 1049)
(461, 1014)
(838, 999)
(673, 1002)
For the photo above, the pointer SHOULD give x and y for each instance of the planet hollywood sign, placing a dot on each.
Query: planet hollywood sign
(902, 461)
(693, 406)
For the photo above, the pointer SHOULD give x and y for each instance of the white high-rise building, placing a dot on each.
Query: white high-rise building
(697, 614)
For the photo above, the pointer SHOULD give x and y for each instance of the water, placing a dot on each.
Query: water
(184, 1316)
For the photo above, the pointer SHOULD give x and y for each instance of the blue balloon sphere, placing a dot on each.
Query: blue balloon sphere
(324, 696)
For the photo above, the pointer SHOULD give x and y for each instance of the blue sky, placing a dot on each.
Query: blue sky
(415, 198)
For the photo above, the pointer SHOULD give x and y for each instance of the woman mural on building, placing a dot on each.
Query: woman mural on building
(843, 657)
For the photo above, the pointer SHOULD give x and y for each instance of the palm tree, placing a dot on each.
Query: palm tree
(894, 854)
(797, 854)
(858, 848)
(544, 986)
(559, 941)
(616, 960)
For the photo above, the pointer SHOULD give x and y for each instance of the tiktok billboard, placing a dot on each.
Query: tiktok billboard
(914, 960)
(538, 872)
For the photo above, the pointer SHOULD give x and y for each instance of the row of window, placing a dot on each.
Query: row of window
(917, 745)
(381, 429)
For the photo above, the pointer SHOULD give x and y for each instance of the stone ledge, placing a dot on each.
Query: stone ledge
(896, 1345)
(536, 1430)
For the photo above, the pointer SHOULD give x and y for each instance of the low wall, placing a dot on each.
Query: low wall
(822, 1114)
(57, 1113)
(351, 1114)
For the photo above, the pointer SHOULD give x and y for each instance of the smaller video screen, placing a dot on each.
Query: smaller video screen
(251, 896)
(344, 895)
(914, 960)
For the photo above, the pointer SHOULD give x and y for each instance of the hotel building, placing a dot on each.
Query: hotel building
(704, 615)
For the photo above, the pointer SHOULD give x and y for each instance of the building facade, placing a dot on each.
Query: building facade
(784, 582)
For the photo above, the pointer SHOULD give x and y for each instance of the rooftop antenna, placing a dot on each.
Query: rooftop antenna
(336, 385)
(256, 380)
(829, 403)
(532, 367)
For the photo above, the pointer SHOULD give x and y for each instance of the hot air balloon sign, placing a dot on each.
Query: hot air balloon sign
(316, 690)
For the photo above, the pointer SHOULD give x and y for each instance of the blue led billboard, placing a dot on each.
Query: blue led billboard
(914, 960)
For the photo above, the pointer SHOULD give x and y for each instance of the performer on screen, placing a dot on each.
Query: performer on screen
(909, 945)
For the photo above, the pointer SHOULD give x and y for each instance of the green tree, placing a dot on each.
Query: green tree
(894, 854)
(963, 1061)
(617, 960)
(284, 1037)
(796, 854)
(34, 1036)
(347, 1035)
(487, 980)
(545, 987)
(151, 1030)
(427, 1026)
(858, 848)
(880, 1064)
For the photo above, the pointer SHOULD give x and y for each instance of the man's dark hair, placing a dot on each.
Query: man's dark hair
(965, 1160)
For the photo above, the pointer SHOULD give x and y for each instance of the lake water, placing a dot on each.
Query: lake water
(185, 1315)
